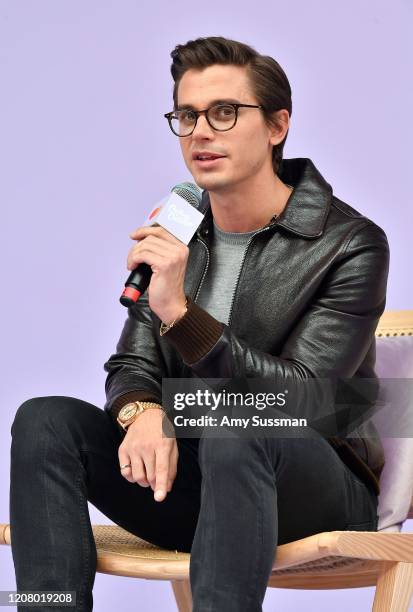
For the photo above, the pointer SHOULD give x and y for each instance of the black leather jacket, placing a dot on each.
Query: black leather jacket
(308, 299)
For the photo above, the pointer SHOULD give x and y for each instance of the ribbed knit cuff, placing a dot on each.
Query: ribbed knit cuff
(194, 334)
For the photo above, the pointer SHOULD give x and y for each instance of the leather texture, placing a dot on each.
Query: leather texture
(308, 299)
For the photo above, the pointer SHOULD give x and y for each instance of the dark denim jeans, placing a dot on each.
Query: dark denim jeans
(232, 502)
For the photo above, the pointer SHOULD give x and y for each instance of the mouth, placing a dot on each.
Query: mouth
(206, 160)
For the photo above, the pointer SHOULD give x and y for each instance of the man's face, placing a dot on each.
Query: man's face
(245, 149)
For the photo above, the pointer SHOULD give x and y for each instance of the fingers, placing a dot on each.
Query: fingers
(154, 260)
(149, 248)
(162, 470)
(155, 252)
(151, 230)
(136, 471)
(156, 469)
(165, 474)
(149, 460)
(124, 460)
(140, 472)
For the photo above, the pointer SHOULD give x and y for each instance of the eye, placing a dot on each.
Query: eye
(186, 116)
(223, 111)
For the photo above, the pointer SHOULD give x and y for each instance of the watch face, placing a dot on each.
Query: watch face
(128, 411)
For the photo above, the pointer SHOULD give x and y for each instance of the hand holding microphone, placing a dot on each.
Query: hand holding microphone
(167, 257)
(160, 257)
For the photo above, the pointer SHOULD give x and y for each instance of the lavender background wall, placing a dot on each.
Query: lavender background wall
(84, 151)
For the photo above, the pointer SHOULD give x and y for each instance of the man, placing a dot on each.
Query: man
(282, 280)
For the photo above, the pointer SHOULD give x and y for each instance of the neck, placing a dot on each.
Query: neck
(249, 206)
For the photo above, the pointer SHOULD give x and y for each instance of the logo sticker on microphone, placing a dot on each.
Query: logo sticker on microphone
(177, 216)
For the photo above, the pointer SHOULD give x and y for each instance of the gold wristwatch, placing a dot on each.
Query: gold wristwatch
(130, 412)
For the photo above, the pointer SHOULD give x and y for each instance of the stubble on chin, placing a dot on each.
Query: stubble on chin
(210, 183)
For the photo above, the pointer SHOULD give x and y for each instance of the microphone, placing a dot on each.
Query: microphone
(180, 214)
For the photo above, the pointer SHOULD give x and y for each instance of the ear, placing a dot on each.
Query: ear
(279, 126)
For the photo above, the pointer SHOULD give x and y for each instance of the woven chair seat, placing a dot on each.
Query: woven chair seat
(114, 539)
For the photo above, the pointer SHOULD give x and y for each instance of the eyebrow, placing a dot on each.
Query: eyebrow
(212, 103)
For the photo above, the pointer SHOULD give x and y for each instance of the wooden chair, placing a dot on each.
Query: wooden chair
(328, 560)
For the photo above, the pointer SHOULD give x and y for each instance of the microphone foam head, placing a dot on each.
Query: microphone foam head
(190, 192)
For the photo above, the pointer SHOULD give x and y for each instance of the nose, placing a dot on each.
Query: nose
(202, 129)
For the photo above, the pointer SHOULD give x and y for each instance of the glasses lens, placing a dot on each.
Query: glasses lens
(182, 122)
(222, 116)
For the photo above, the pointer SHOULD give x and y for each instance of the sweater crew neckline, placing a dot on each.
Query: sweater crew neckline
(232, 237)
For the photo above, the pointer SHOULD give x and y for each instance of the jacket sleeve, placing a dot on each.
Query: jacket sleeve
(330, 340)
(135, 370)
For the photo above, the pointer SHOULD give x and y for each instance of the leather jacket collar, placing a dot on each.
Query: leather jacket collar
(307, 208)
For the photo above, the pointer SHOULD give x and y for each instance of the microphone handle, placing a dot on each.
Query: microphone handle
(136, 284)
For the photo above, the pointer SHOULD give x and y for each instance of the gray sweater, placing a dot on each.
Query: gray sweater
(217, 289)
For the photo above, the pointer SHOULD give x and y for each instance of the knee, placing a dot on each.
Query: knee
(27, 414)
(35, 413)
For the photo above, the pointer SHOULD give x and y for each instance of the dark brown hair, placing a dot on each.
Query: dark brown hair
(269, 81)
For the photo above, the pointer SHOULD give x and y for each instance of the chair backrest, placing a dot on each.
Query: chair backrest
(394, 366)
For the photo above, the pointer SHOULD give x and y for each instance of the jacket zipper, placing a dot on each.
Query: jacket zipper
(264, 229)
(205, 269)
